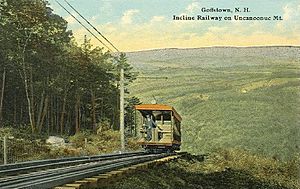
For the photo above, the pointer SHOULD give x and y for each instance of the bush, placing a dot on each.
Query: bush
(267, 169)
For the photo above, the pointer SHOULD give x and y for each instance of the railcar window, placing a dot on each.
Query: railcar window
(164, 117)
(159, 117)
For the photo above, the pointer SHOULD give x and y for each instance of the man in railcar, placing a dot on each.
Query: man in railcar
(149, 125)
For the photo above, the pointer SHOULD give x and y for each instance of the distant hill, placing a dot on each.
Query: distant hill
(210, 56)
(229, 97)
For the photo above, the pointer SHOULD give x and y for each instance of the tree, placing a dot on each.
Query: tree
(130, 114)
(59, 87)
(36, 35)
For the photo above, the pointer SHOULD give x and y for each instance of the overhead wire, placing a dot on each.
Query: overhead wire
(83, 25)
(92, 26)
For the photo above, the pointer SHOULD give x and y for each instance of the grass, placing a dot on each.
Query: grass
(23, 146)
(230, 169)
(246, 98)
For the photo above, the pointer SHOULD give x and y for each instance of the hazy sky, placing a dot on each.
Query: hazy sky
(148, 24)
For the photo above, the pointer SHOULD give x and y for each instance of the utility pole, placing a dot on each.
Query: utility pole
(5, 150)
(122, 133)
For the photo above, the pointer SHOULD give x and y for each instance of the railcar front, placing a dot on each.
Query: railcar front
(159, 126)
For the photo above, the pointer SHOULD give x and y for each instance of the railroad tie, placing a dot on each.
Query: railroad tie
(83, 183)
(103, 176)
(77, 186)
(93, 182)
(141, 166)
(166, 159)
(135, 166)
(127, 170)
(80, 184)
(116, 173)
(104, 179)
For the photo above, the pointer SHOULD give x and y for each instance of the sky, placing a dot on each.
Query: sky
(134, 25)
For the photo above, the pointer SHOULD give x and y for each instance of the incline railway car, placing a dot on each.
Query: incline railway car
(160, 127)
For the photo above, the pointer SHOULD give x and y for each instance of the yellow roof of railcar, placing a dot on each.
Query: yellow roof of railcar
(158, 107)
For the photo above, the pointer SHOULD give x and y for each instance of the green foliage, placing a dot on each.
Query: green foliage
(22, 131)
(264, 168)
(24, 146)
(206, 87)
(123, 63)
(78, 140)
(130, 115)
(51, 83)
(106, 141)
(103, 125)
(223, 169)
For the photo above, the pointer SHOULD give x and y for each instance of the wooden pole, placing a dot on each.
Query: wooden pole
(122, 129)
(5, 150)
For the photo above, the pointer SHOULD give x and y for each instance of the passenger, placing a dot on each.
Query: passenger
(150, 124)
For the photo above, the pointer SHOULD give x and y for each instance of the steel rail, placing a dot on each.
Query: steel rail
(12, 169)
(69, 174)
(8, 180)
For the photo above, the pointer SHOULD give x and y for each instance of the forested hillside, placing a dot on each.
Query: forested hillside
(49, 84)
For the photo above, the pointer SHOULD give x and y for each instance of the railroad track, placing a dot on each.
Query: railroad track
(17, 168)
(53, 173)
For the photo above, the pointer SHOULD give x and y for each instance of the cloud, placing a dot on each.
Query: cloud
(291, 11)
(169, 34)
(128, 15)
(157, 19)
(215, 29)
(193, 7)
(287, 12)
(162, 32)
(290, 24)
(106, 8)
